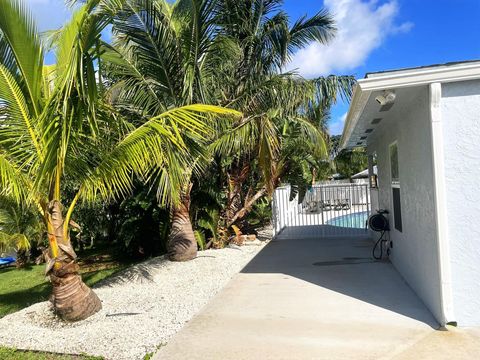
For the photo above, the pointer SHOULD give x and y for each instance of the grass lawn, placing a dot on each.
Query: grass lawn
(20, 288)
(13, 354)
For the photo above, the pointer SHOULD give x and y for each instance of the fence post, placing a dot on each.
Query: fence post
(322, 204)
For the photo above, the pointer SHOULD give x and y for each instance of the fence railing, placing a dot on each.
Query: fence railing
(344, 205)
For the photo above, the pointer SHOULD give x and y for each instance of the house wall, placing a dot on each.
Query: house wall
(414, 252)
(460, 106)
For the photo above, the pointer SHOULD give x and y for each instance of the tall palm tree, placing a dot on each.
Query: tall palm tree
(269, 98)
(54, 127)
(164, 55)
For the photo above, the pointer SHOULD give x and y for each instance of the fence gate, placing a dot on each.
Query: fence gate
(343, 205)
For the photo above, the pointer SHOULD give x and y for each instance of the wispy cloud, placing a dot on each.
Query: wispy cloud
(403, 28)
(362, 27)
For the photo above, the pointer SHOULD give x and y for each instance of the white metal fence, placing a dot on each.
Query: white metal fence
(343, 205)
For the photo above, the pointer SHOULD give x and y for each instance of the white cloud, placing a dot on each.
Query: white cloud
(48, 14)
(403, 28)
(336, 126)
(362, 27)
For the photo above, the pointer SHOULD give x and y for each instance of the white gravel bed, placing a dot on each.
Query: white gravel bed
(143, 307)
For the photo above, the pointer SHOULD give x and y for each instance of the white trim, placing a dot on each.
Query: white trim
(444, 270)
(428, 75)
(399, 79)
(357, 105)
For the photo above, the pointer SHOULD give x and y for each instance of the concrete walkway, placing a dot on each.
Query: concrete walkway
(313, 293)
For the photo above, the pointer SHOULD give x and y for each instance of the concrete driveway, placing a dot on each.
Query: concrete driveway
(312, 293)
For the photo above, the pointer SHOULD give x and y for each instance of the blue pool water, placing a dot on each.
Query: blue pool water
(355, 220)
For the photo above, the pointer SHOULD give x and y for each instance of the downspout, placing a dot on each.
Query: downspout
(443, 248)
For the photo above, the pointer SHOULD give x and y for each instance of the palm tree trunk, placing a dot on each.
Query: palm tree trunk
(236, 178)
(249, 202)
(182, 245)
(71, 298)
(22, 259)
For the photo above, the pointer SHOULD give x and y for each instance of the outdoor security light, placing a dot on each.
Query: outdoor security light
(387, 97)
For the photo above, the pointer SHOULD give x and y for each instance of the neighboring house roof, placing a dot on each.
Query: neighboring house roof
(336, 176)
(361, 121)
(364, 174)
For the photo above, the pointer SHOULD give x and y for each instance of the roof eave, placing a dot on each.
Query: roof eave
(395, 80)
(358, 103)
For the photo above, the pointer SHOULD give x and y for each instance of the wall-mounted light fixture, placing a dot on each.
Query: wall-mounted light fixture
(387, 97)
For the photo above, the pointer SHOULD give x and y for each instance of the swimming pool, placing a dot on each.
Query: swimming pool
(355, 220)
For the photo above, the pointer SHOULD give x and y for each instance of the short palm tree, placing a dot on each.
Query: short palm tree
(54, 127)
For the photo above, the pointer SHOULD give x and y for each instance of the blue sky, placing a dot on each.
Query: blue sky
(373, 35)
(381, 35)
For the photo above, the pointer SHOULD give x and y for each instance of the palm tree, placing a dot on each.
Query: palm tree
(269, 98)
(224, 52)
(165, 55)
(53, 127)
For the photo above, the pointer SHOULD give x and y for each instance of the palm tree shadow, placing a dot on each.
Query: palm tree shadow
(17, 300)
(138, 273)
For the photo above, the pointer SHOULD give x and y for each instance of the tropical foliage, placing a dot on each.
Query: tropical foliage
(182, 123)
(20, 229)
(55, 128)
(350, 162)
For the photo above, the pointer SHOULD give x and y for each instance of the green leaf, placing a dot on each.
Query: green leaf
(19, 31)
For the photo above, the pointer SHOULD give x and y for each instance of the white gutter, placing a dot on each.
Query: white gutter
(421, 76)
(443, 248)
(357, 105)
(401, 79)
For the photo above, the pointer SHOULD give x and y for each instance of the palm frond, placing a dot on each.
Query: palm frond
(16, 241)
(195, 27)
(331, 87)
(320, 28)
(313, 135)
(17, 128)
(71, 109)
(18, 30)
(235, 140)
(143, 33)
(161, 148)
(12, 181)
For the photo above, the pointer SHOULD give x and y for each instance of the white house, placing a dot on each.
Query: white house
(421, 126)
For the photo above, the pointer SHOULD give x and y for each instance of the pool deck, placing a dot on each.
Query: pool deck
(315, 293)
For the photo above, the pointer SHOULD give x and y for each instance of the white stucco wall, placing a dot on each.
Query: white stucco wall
(414, 252)
(461, 128)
